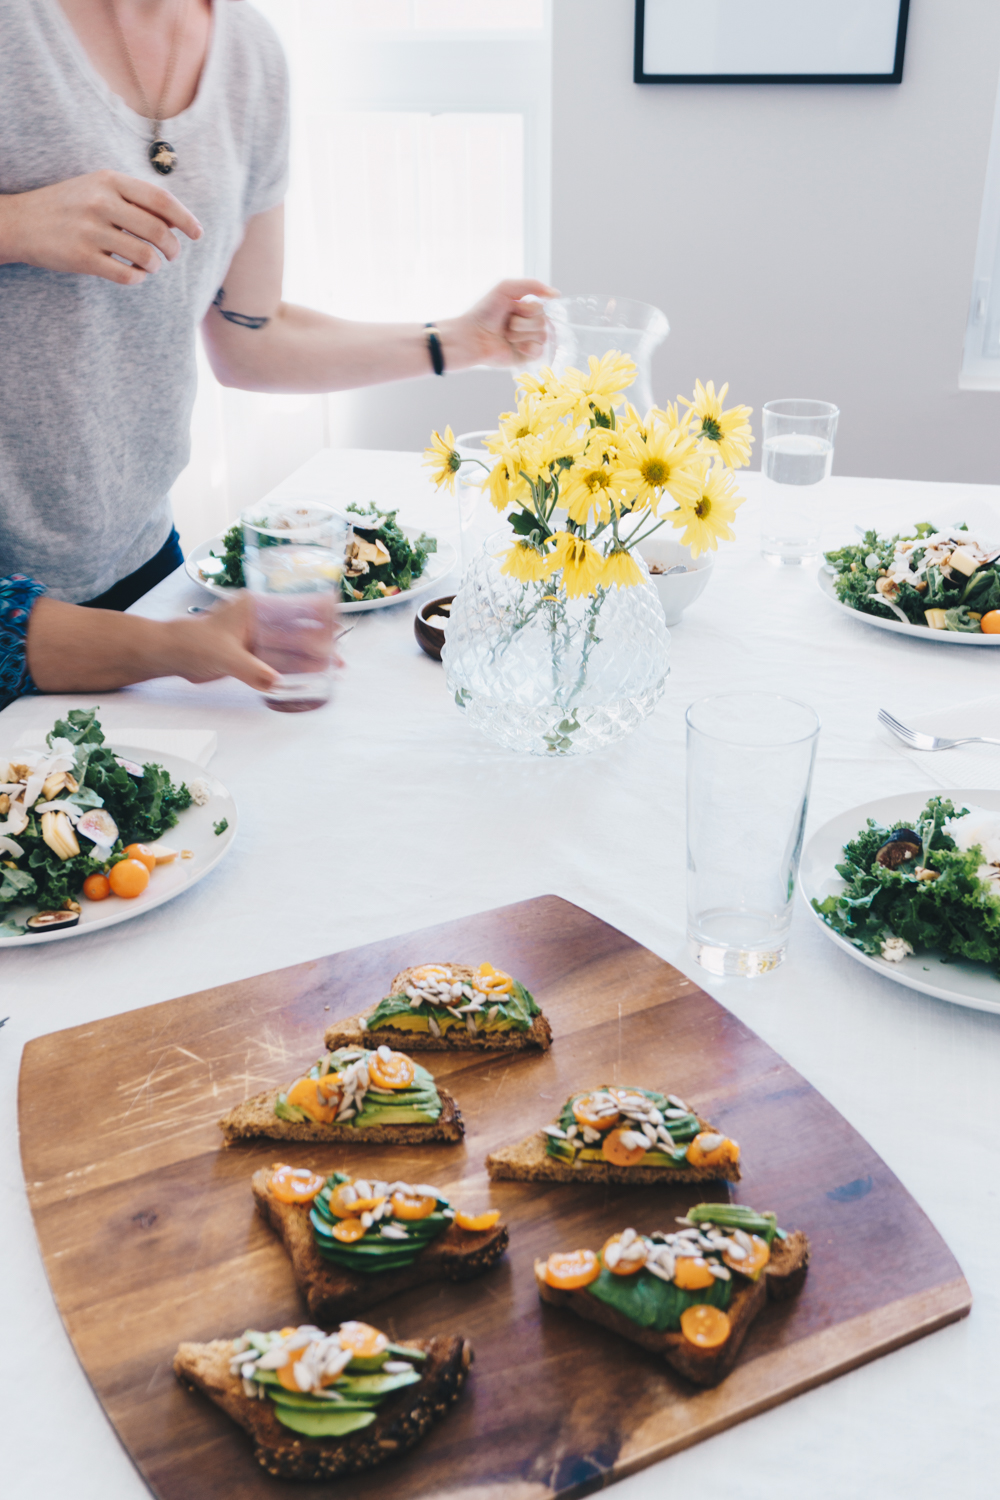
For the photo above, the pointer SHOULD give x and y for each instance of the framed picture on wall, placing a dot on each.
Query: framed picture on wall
(770, 41)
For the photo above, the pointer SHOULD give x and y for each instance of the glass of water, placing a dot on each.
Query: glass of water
(796, 459)
(749, 766)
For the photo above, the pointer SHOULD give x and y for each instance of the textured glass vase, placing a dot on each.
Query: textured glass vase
(536, 671)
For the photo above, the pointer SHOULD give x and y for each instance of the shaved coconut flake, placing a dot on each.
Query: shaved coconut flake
(977, 826)
(8, 846)
(16, 821)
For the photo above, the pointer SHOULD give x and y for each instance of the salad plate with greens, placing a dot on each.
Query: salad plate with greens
(385, 563)
(91, 836)
(943, 585)
(911, 889)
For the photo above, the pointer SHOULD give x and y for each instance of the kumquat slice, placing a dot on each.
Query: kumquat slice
(348, 1230)
(343, 1201)
(432, 971)
(393, 1072)
(755, 1259)
(704, 1326)
(476, 1223)
(411, 1206)
(364, 1341)
(708, 1149)
(572, 1269)
(295, 1184)
(628, 1261)
(615, 1150)
(587, 1110)
(692, 1274)
(286, 1372)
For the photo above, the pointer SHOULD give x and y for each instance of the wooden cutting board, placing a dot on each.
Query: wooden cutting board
(149, 1234)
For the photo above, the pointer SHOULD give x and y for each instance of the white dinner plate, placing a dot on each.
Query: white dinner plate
(922, 632)
(955, 979)
(439, 564)
(193, 830)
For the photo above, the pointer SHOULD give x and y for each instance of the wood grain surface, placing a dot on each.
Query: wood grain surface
(149, 1234)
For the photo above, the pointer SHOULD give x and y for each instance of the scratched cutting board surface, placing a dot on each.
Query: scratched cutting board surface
(149, 1234)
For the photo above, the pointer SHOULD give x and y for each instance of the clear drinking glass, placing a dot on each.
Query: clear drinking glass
(293, 563)
(749, 764)
(796, 459)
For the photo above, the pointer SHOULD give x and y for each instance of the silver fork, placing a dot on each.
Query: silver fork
(917, 740)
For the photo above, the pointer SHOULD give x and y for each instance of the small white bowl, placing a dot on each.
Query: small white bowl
(676, 590)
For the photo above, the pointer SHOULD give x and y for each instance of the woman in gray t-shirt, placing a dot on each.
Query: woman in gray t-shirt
(107, 268)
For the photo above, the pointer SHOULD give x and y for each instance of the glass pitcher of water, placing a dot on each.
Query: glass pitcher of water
(582, 326)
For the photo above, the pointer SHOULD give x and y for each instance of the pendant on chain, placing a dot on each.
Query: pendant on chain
(163, 157)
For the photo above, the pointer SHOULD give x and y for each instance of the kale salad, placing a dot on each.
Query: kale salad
(934, 884)
(936, 580)
(380, 560)
(66, 816)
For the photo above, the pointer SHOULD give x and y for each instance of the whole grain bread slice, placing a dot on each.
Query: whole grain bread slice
(529, 1161)
(400, 1421)
(256, 1117)
(330, 1292)
(352, 1033)
(782, 1278)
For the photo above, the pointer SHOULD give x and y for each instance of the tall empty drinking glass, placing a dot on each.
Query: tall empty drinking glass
(749, 765)
(796, 459)
(293, 562)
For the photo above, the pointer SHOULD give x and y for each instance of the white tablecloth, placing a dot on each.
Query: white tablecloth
(386, 812)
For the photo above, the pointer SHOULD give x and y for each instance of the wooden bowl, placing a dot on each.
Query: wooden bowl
(431, 639)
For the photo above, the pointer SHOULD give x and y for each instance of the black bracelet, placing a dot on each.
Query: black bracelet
(434, 348)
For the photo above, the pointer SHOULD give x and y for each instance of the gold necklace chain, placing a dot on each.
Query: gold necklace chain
(161, 153)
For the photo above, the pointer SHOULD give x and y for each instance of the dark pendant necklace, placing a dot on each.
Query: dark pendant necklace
(162, 156)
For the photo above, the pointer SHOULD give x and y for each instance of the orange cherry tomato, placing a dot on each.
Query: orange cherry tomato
(705, 1326)
(349, 1230)
(295, 1184)
(573, 1269)
(478, 1222)
(585, 1111)
(492, 981)
(143, 854)
(716, 1156)
(97, 887)
(393, 1072)
(364, 1341)
(342, 1202)
(408, 1206)
(692, 1274)
(760, 1253)
(128, 878)
(312, 1095)
(990, 622)
(614, 1150)
(627, 1266)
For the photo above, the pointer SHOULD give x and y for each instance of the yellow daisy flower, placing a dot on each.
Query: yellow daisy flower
(671, 417)
(621, 569)
(581, 564)
(443, 459)
(525, 562)
(707, 520)
(594, 482)
(553, 397)
(600, 387)
(664, 461)
(728, 433)
(527, 421)
(504, 485)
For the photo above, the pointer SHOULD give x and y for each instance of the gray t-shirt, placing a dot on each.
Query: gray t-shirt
(97, 380)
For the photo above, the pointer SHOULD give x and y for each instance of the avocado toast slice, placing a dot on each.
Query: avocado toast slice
(375, 1096)
(450, 1007)
(688, 1295)
(621, 1134)
(354, 1242)
(320, 1405)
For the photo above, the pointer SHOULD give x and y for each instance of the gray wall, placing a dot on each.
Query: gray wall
(803, 241)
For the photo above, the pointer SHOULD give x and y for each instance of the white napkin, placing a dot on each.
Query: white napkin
(198, 745)
(970, 765)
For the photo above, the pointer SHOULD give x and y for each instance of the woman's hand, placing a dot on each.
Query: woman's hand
(82, 223)
(219, 645)
(502, 328)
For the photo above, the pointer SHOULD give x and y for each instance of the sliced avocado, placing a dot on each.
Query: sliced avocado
(304, 1402)
(366, 1364)
(375, 1385)
(401, 1351)
(321, 1424)
(651, 1158)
